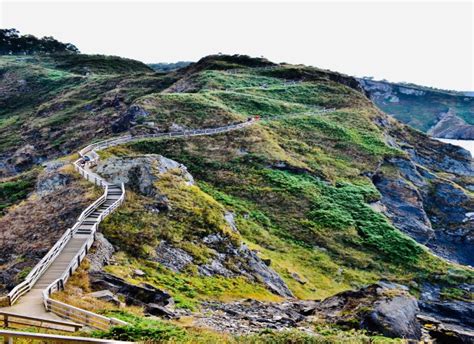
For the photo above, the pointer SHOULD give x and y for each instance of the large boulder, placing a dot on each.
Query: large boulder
(100, 254)
(395, 317)
(140, 173)
(384, 308)
(139, 295)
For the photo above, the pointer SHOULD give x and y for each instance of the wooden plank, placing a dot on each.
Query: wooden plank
(9, 316)
(51, 338)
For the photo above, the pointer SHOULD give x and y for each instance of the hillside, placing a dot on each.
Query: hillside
(443, 114)
(307, 205)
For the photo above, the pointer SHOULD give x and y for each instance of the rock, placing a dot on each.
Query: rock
(451, 126)
(430, 209)
(247, 263)
(157, 310)
(106, 295)
(228, 261)
(138, 273)
(140, 173)
(395, 317)
(51, 179)
(404, 206)
(173, 258)
(384, 308)
(128, 118)
(176, 127)
(134, 294)
(446, 333)
(298, 278)
(229, 217)
(100, 254)
(448, 311)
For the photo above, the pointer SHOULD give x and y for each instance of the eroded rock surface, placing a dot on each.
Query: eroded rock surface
(228, 261)
(431, 208)
(140, 173)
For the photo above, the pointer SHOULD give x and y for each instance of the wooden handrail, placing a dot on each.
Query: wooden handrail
(8, 337)
(63, 309)
(7, 320)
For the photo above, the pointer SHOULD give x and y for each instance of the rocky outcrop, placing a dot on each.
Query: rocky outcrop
(394, 317)
(382, 308)
(403, 201)
(128, 118)
(228, 261)
(100, 254)
(51, 179)
(139, 295)
(448, 320)
(422, 202)
(450, 126)
(140, 173)
(436, 112)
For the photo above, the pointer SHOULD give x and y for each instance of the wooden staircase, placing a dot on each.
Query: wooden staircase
(52, 272)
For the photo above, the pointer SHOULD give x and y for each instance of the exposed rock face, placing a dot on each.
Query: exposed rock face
(451, 126)
(140, 173)
(100, 254)
(228, 261)
(128, 118)
(139, 295)
(404, 202)
(454, 312)
(395, 317)
(51, 180)
(383, 308)
(436, 112)
(427, 206)
(20, 160)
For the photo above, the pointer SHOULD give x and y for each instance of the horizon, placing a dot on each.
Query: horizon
(393, 41)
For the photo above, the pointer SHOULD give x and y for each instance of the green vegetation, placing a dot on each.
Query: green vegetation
(422, 110)
(12, 43)
(189, 289)
(298, 183)
(166, 332)
(14, 190)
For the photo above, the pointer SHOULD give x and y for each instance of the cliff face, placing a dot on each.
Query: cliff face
(306, 203)
(439, 113)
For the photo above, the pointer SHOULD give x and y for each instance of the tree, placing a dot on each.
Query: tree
(12, 43)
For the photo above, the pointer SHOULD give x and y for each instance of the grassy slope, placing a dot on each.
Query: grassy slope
(296, 181)
(59, 103)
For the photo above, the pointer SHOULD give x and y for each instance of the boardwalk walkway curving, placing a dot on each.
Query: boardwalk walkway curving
(31, 297)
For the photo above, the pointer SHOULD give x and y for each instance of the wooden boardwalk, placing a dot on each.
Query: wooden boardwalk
(31, 297)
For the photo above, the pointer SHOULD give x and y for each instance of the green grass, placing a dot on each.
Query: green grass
(188, 288)
(17, 189)
(141, 329)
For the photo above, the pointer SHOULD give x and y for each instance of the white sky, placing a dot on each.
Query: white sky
(428, 42)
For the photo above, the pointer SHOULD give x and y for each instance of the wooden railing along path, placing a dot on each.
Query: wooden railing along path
(85, 229)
